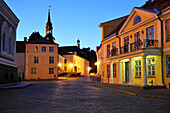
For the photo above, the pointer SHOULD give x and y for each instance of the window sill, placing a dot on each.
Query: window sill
(137, 77)
(151, 76)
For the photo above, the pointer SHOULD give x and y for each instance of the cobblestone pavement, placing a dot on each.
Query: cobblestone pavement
(75, 96)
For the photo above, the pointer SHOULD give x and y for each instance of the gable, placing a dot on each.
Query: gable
(144, 14)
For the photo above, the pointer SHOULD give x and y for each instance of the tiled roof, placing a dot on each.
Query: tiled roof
(41, 41)
(157, 4)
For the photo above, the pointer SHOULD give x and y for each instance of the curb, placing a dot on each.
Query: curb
(17, 87)
(130, 93)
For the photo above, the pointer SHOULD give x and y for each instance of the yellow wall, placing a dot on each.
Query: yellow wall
(42, 68)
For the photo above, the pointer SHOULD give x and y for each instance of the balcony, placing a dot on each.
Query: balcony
(114, 51)
(138, 45)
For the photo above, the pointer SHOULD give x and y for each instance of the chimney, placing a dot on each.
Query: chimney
(25, 39)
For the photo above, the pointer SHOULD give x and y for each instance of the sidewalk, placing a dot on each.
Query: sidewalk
(14, 85)
(154, 93)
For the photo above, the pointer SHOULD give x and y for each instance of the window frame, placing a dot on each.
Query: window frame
(108, 50)
(166, 30)
(51, 60)
(51, 49)
(167, 62)
(114, 70)
(51, 70)
(150, 34)
(43, 49)
(36, 60)
(151, 68)
(33, 71)
(137, 69)
(136, 21)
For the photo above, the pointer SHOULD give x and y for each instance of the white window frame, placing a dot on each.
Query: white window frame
(137, 68)
(152, 71)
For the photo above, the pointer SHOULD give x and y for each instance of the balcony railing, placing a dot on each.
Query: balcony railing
(114, 51)
(145, 43)
(136, 45)
(124, 49)
(151, 43)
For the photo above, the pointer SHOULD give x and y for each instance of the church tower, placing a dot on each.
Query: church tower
(49, 28)
(78, 43)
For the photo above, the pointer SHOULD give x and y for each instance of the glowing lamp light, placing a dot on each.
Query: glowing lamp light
(89, 68)
(59, 64)
(71, 65)
(97, 63)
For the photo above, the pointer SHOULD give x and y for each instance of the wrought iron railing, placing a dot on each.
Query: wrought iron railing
(124, 49)
(136, 45)
(151, 43)
(114, 51)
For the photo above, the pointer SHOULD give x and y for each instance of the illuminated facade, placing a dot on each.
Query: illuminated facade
(41, 60)
(132, 50)
(99, 61)
(75, 64)
(8, 26)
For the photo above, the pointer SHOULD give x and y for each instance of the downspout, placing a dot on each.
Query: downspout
(162, 67)
(119, 41)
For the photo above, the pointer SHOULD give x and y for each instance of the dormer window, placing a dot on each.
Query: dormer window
(137, 19)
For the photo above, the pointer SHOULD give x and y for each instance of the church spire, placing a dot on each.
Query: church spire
(49, 27)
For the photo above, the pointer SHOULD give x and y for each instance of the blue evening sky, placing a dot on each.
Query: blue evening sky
(71, 19)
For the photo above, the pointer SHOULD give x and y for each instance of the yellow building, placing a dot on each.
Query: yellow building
(75, 64)
(132, 51)
(99, 61)
(41, 60)
(60, 64)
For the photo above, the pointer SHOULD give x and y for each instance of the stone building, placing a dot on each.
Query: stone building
(8, 26)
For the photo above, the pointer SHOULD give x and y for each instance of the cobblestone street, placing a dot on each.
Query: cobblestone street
(75, 96)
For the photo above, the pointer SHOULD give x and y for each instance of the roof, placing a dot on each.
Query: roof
(20, 46)
(41, 41)
(156, 4)
(114, 22)
(50, 36)
(116, 30)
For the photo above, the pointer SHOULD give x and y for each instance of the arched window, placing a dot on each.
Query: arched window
(4, 35)
(137, 19)
(11, 41)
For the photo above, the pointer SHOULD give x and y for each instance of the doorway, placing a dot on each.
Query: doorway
(126, 72)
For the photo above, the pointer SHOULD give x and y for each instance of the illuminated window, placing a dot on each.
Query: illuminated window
(43, 49)
(33, 70)
(114, 70)
(36, 48)
(168, 65)
(51, 70)
(108, 71)
(167, 22)
(137, 19)
(137, 68)
(108, 50)
(51, 49)
(36, 60)
(51, 60)
(151, 67)
(150, 33)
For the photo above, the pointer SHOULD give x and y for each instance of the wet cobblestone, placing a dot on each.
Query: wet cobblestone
(75, 96)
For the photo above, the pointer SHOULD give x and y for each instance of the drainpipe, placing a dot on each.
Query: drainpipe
(161, 49)
(119, 41)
